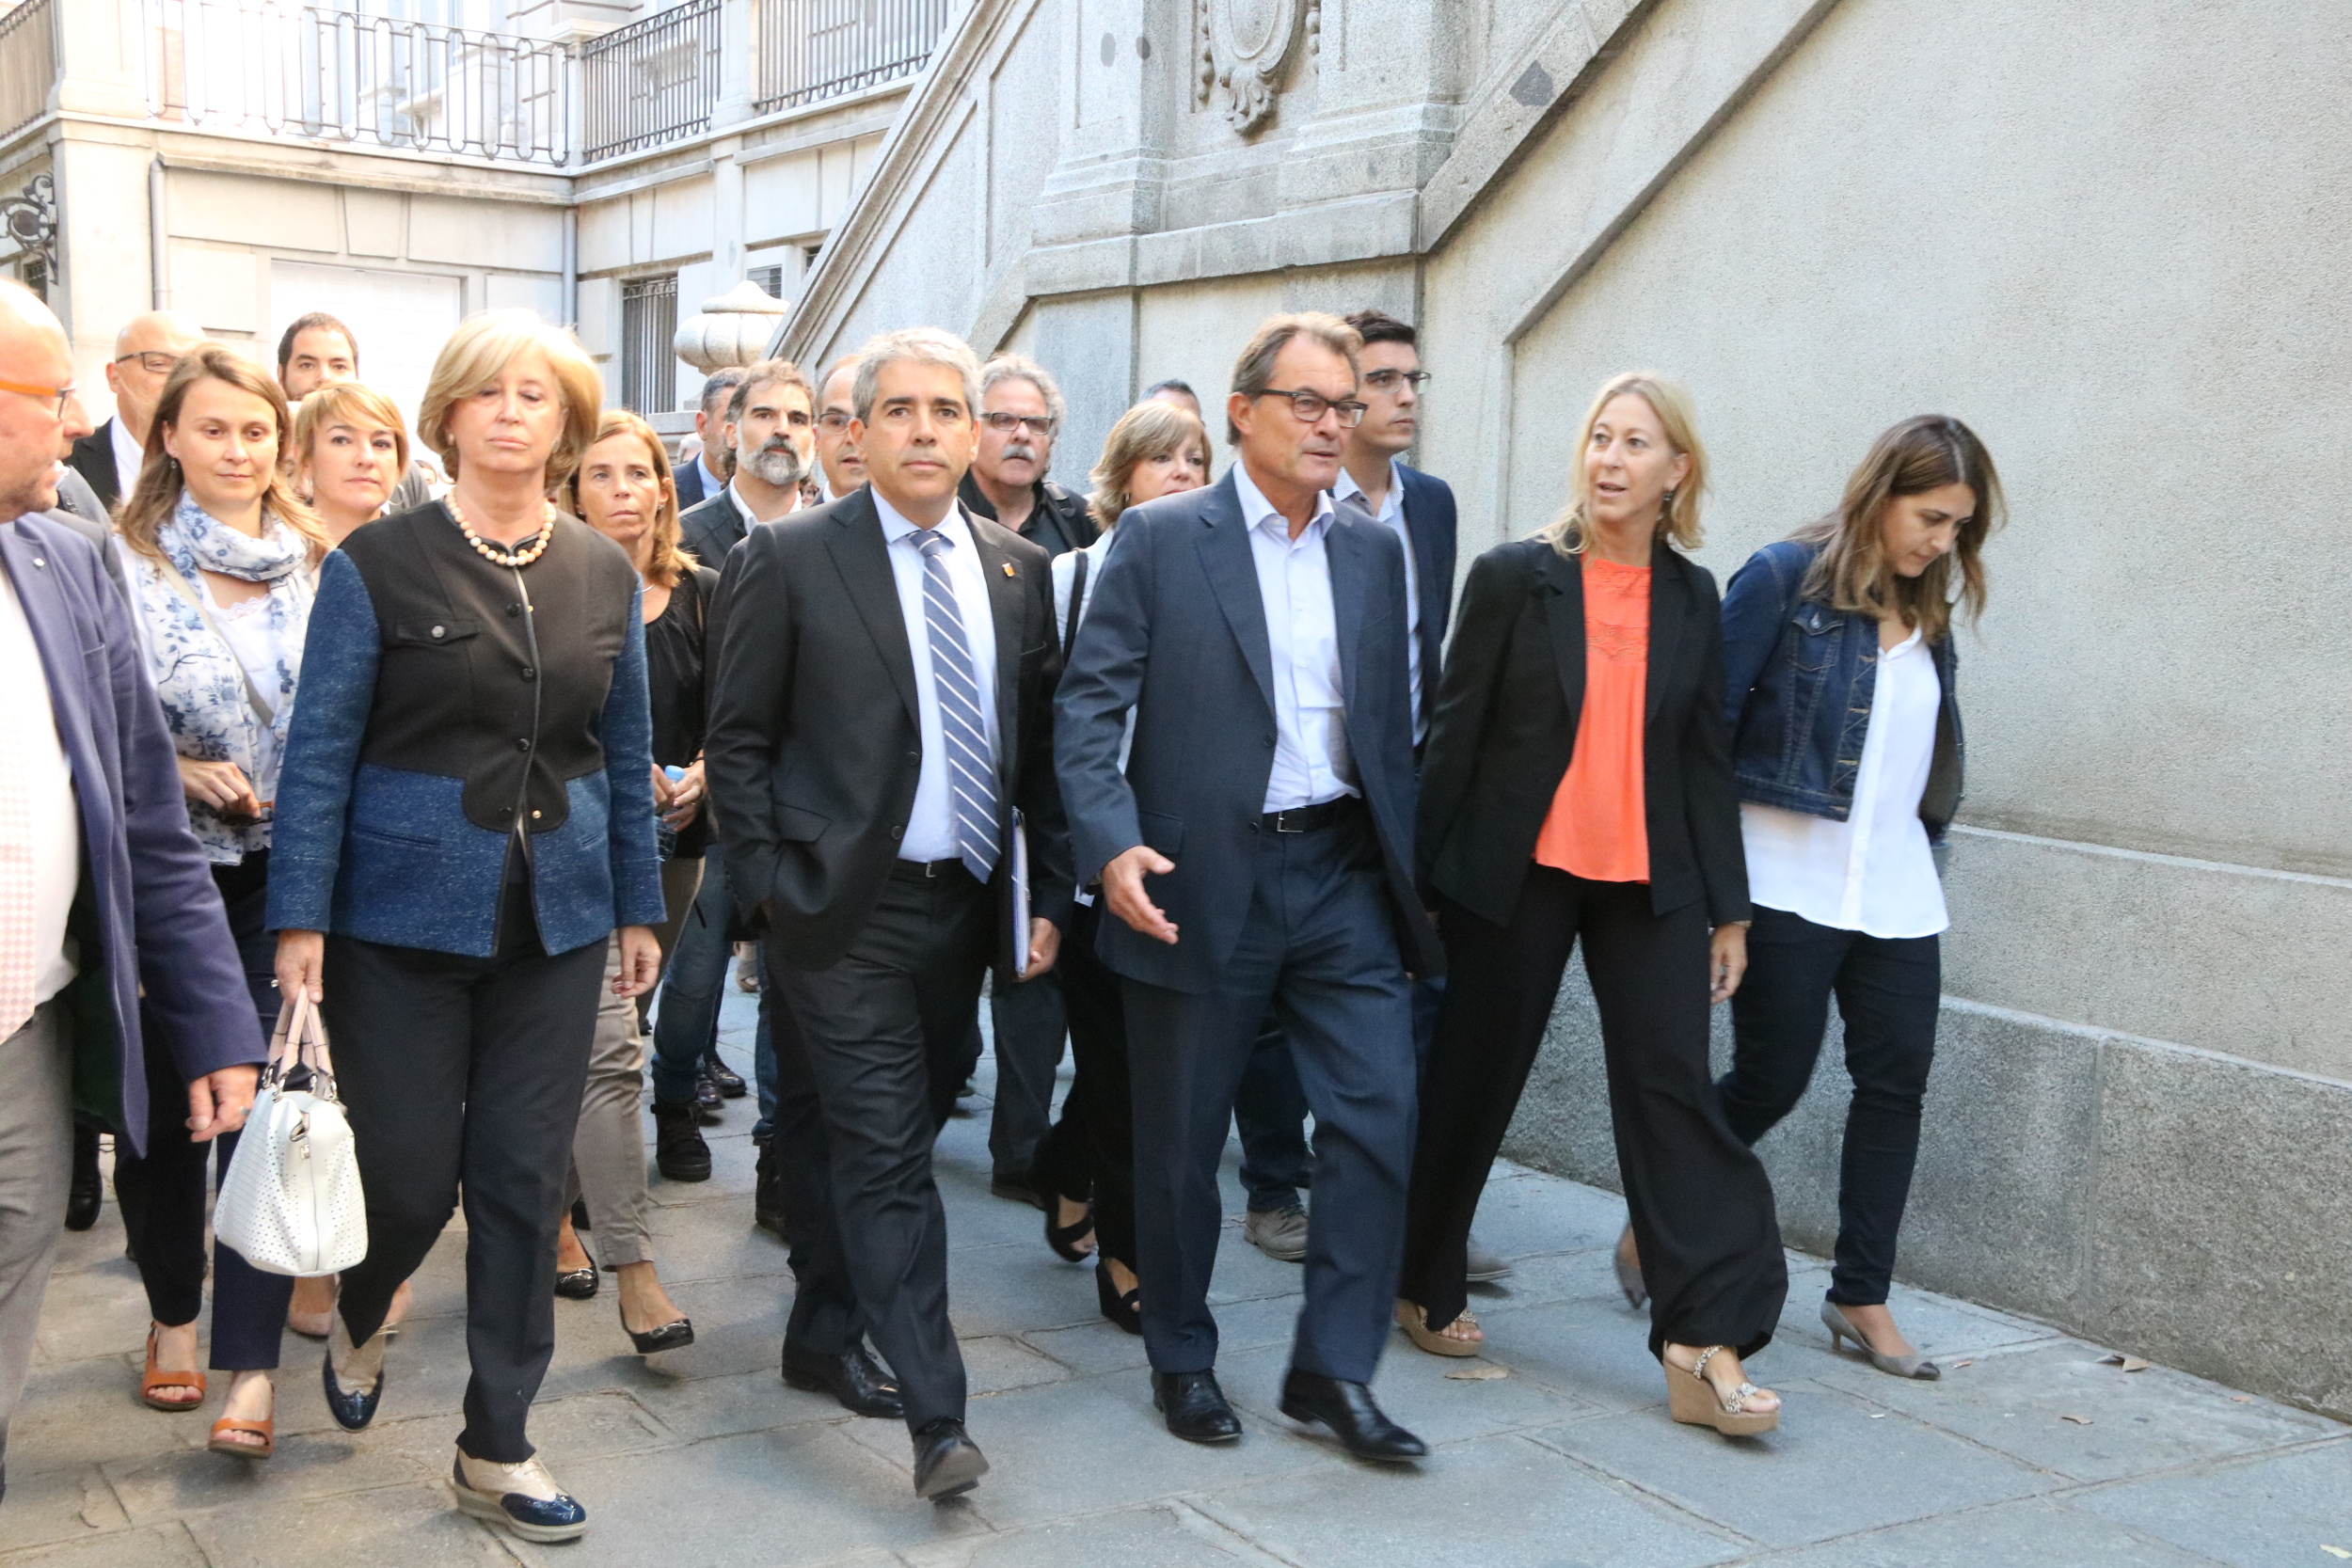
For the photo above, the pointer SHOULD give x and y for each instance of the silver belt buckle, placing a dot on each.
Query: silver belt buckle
(1282, 822)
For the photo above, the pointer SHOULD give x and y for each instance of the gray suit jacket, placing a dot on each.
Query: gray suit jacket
(1176, 631)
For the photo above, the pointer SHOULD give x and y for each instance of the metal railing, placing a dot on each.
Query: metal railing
(650, 81)
(28, 63)
(300, 71)
(806, 50)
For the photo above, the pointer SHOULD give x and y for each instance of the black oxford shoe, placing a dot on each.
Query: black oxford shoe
(947, 1463)
(1194, 1407)
(1348, 1410)
(854, 1377)
(87, 1193)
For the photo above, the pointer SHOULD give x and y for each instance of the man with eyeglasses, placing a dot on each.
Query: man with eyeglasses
(838, 465)
(1021, 414)
(1256, 632)
(146, 350)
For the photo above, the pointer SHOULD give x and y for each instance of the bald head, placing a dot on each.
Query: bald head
(144, 351)
(34, 433)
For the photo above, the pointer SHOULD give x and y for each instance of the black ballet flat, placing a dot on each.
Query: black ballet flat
(576, 1284)
(1127, 1310)
(676, 1335)
(352, 1412)
(1064, 1238)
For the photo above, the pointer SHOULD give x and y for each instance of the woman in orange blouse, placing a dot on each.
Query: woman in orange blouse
(1578, 785)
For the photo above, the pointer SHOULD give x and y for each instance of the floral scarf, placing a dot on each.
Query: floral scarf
(197, 673)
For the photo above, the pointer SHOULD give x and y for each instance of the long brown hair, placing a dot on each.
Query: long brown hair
(152, 499)
(1924, 452)
(670, 560)
(1678, 519)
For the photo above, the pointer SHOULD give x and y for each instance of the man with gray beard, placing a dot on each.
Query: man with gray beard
(771, 426)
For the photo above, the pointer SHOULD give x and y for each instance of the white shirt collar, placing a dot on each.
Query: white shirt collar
(1256, 508)
(129, 456)
(1347, 489)
(896, 527)
(745, 506)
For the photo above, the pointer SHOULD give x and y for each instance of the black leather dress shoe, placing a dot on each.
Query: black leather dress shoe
(84, 1198)
(855, 1378)
(729, 1082)
(1348, 1410)
(947, 1463)
(1194, 1407)
(768, 1191)
(708, 1102)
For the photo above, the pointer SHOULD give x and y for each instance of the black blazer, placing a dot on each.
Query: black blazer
(687, 477)
(1429, 521)
(712, 529)
(1058, 521)
(815, 746)
(1507, 711)
(94, 458)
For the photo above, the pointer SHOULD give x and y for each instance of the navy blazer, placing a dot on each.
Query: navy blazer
(1429, 520)
(149, 915)
(687, 477)
(1175, 631)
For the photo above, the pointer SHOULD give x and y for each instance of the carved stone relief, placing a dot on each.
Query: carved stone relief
(1243, 48)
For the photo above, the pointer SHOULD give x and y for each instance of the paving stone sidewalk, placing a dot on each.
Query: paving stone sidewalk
(1559, 1454)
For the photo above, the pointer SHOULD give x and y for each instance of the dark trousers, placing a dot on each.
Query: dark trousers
(464, 1074)
(883, 1028)
(166, 1194)
(1318, 948)
(1700, 1203)
(1889, 991)
(1029, 1022)
(824, 1318)
(685, 1020)
(1091, 1151)
(1270, 1109)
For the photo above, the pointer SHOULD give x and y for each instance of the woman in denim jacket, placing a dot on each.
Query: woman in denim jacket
(1846, 747)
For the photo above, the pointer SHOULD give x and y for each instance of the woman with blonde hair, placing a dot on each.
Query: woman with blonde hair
(350, 451)
(218, 558)
(467, 818)
(1577, 786)
(623, 489)
(1089, 1156)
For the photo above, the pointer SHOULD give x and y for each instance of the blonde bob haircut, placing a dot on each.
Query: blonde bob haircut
(347, 402)
(1924, 452)
(479, 352)
(1146, 431)
(670, 560)
(141, 514)
(1678, 519)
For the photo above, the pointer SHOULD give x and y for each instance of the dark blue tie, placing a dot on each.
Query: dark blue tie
(970, 776)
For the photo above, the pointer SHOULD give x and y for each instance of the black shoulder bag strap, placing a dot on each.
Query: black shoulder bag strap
(1077, 601)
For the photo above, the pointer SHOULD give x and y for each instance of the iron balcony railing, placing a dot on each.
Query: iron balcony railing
(302, 70)
(651, 82)
(28, 63)
(807, 50)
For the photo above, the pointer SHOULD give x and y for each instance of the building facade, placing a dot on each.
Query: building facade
(2104, 233)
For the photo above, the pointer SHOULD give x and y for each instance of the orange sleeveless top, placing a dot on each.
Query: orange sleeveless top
(1597, 828)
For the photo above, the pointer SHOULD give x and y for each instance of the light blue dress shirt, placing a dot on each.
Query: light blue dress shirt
(1391, 517)
(930, 833)
(1310, 760)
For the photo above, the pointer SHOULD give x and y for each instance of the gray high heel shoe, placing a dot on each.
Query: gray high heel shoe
(1628, 1274)
(1840, 1329)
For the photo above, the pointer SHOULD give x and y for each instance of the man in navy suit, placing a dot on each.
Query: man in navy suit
(1257, 631)
(108, 904)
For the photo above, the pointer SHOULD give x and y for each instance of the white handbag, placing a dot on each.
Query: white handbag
(291, 1203)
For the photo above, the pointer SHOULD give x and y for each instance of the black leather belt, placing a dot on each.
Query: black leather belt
(1308, 820)
(924, 871)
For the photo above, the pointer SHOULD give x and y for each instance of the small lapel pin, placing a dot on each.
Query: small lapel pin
(1008, 568)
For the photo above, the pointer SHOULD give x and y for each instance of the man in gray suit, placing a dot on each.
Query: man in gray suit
(1257, 631)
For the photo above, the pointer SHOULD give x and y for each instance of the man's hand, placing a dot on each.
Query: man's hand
(218, 1100)
(1044, 946)
(1122, 892)
(640, 961)
(301, 964)
(1727, 961)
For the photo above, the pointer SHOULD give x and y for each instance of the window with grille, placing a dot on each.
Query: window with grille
(34, 274)
(648, 325)
(770, 279)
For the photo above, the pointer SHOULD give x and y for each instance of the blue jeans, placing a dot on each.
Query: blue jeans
(686, 1023)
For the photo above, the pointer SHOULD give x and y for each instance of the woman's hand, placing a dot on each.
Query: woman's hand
(301, 964)
(220, 785)
(685, 797)
(1727, 961)
(663, 788)
(640, 961)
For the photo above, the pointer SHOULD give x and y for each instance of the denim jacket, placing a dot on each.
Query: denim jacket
(1798, 678)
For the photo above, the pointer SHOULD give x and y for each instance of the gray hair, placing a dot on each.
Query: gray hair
(765, 372)
(1254, 371)
(1020, 367)
(919, 345)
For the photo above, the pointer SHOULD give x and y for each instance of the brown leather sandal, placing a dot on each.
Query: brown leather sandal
(154, 1379)
(220, 1441)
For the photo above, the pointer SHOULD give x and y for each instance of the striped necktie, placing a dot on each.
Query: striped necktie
(971, 774)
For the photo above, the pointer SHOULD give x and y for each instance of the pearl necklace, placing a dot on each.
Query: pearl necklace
(494, 554)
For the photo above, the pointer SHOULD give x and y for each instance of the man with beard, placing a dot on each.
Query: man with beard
(772, 425)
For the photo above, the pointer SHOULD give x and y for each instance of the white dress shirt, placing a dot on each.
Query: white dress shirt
(743, 509)
(1310, 760)
(129, 456)
(930, 833)
(1391, 517)
(1872, 872)
(55, 843)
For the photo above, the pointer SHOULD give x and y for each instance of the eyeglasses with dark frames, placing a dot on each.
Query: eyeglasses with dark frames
(155, 361)
(1387, 381)
(834, 420)
(63, 394)
(1309, 407)
(1035, 424)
